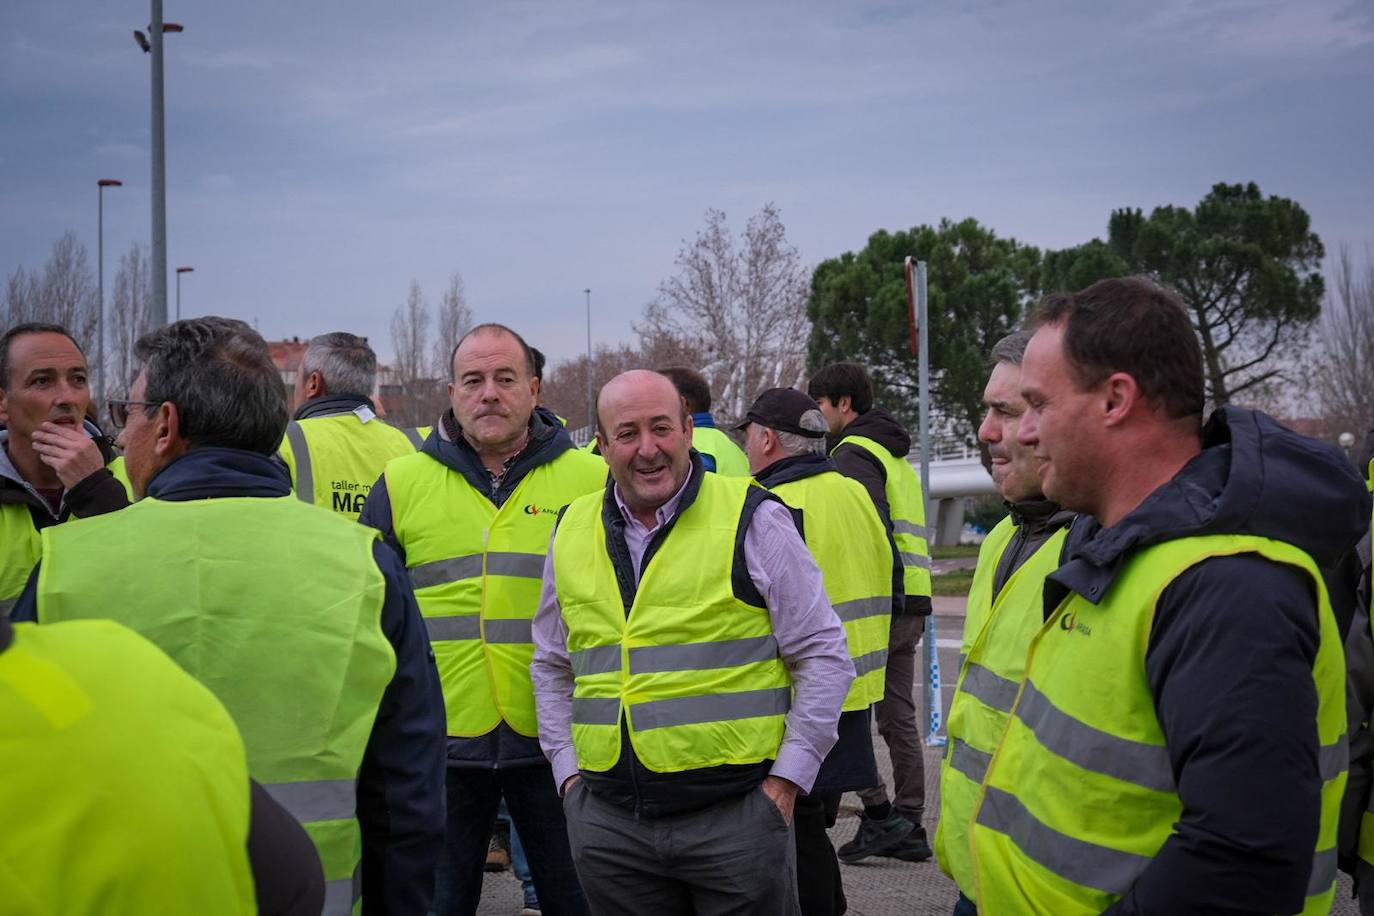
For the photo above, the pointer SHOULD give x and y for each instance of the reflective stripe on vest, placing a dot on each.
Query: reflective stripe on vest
(477, 571)
(221, 563)
(907, 508)
(997, 634)
(1079, 795)
(126, 788)
(335, 459)
(648, 665)
(846, 537)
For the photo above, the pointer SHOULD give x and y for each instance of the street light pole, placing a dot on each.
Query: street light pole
(152, 44)
(159, 175)
(180, 271)
(101, 184)
(591, 403)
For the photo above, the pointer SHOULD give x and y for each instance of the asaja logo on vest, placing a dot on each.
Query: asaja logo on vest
(1070, 623)
(532, 509)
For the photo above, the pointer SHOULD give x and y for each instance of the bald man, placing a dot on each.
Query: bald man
(471, 514)
(689, 672)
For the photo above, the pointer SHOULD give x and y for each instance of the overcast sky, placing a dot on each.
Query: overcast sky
(320, 155)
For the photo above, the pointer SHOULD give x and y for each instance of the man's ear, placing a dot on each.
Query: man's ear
(1120, 397)
(844, 404)
(167, 438)
(314, 385)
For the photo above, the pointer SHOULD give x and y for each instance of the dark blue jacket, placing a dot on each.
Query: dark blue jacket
(401, 782)
(503, 746)
(1229, 662)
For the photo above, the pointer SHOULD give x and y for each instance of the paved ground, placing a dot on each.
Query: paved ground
(878, 887)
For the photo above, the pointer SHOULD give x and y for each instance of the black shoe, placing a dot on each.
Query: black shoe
(914, 847)
(875, 837)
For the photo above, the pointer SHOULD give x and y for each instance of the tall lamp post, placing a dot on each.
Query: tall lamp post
(152, 44)
(101, 184)
(180, 271)
(591, 402)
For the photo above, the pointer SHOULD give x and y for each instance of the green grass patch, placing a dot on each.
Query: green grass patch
(950, 551)
(952, 584)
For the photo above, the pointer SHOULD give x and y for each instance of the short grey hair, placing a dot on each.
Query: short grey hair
(220, 375)
(794, 444)
(345, 362)
(1012, 348)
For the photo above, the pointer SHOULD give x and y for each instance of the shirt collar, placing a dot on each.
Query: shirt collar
(665, 512)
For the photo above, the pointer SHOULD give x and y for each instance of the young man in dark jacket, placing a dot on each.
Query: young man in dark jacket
(844, 392)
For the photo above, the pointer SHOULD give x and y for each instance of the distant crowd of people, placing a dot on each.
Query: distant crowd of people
(253, 661)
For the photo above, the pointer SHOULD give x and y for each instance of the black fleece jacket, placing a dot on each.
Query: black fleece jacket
(858, 463)
(503, 746)
(401, 781)
(1229, 662)
(97, 494)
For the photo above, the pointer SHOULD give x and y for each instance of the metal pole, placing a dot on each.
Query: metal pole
(159, 176)
(591, 402)
(932, 656)
(100, 288)
(178, 295)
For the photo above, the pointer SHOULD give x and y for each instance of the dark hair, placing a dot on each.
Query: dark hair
(1130, 325)
(1011, 349)
(538, 362)
(492, 327)
(220, 375)
(20, 330)
(691, 386)
(345, 361)
(839, 379)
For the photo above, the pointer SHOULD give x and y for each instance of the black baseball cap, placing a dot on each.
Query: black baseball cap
(787, 410)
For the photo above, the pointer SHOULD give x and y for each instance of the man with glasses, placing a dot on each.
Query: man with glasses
(52, 460)
(302, 624)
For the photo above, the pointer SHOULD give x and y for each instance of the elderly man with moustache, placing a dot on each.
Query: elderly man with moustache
(689, 672)
(1004, 612)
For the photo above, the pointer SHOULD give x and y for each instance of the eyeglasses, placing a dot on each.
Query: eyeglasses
(119, 410)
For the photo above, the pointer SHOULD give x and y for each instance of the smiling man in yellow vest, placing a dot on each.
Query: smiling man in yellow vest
(870, 445)
(1177, 744)
(301, 623)
(1004, 612)
(785, 441)
(689, 671)
(471, 514)
(335, 446)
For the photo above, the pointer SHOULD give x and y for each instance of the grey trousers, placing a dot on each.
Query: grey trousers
(896, 715)
(735, 857)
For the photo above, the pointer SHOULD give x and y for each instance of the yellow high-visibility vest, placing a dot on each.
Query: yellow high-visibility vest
(334, 460)
(997, 633)
(21, 548)
(273, 605)
(692, 667)
(729, 458)
(907, 508)
(477, 571)
(845, 535)
(125, 788)
(1079, 795)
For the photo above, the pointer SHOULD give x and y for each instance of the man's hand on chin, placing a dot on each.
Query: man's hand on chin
(68, 451)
